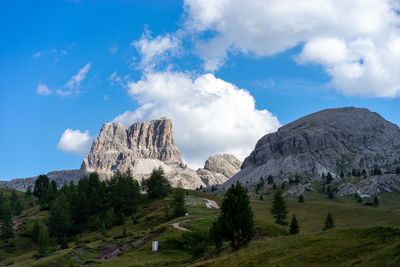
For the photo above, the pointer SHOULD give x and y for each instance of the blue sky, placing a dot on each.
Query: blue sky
(78, 64)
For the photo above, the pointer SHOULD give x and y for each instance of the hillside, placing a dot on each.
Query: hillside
(357, 238)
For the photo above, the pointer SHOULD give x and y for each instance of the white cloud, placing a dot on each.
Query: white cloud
(209, 115)
(155, 50)
(357, 42)
(73, 85)
(75, 141)
(42, 89)
(75, 81)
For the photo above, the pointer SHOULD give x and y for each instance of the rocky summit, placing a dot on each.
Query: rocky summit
(148, 145)
(333, 140)
(118, 148)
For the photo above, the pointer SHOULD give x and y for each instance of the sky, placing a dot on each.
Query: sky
(227, 72)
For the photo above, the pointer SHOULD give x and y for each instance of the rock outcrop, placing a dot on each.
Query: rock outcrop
(331, 140)
(148, 145)
(218, 169)
(118, 148)
(370, 186)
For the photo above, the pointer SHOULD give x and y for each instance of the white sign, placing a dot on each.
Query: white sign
(154, 246)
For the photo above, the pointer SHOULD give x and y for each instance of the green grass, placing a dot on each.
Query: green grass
(353, 241)
(378, 246)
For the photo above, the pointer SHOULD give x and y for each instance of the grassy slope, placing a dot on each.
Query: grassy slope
(338, 247)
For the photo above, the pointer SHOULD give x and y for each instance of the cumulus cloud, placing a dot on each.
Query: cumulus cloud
(75, 141)
(356, 42)
(42, 89)
(209, 115)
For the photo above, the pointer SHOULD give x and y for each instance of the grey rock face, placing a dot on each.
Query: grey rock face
(61, 178)
(119, 149)
(218, 169)
(298, 190)
(330, 140)
(370, 186)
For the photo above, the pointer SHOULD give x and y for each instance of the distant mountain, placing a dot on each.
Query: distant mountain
(139, 149)
(148, 145)
(332, 140)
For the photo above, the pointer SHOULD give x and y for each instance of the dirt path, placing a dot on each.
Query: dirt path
(178, 227)
(211, 203)
(19, 221)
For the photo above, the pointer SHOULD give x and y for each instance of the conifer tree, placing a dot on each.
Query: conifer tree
(43, 242)
(261, 197)
(7, 223)
(376, 201)
(398, 170)
(158, 185)
(217, 235)
(237, 216)
(28, 193)
(301, 198)
(329, 224)
(294, 226)
(279, 210)
(41, 184)
(60, 217)
(178, 203)
(270, 179)
(329, 178)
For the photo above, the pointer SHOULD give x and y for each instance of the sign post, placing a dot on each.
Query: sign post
(154, 248)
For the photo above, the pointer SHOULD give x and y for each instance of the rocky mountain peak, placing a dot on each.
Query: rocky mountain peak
(118, 148)
(332, 140)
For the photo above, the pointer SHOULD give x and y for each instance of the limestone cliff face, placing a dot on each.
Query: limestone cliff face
(219, 169)
(331, 140)
(117, 148)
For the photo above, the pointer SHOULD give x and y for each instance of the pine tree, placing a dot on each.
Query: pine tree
(237, 216)
(124, 231)
(18, 207)
(60, 217)
(398, 170)
(158, 185)
(178, 203)
(279, 210)
(329, 178)
(13, 198)
(331, 194)
(217, 235)
(294, 226)
(28, 193)
(341, 174)
(43, 242)
(261, 197)
(329, 224)
(376, 201)
(7, 224)
(301, 198)
(109, 220)
(41, 184)
(35, 231)
(270, 179)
